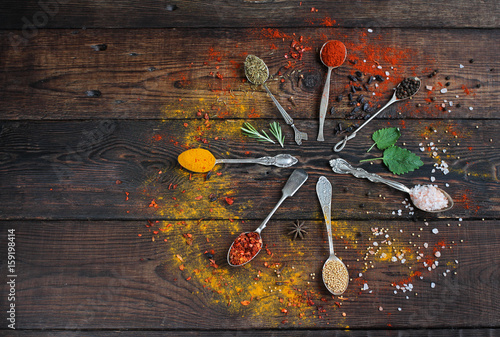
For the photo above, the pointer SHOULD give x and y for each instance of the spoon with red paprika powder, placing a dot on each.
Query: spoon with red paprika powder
(248, 244)
(332, 54)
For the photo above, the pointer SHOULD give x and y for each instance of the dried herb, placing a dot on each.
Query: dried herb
(385, 138)
(399, 160)
(255, 69)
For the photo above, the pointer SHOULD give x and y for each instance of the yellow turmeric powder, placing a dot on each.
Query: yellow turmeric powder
(197, 160)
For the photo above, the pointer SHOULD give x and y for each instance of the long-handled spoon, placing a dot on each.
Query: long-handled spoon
(397, 96)
(236, 258)
(326, 90)
(261, 80)
(341, 166)
(335, 274)
(189, 159)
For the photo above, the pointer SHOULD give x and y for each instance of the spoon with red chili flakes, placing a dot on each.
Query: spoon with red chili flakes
(248, 244)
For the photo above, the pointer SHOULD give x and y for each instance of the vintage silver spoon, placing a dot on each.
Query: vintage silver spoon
(294, 182)
(341, 166)
(258, 66)
(326, 93)
(335, 274)
(340, 145)
(281, 160)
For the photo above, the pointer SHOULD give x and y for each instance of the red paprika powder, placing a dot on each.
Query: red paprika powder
(333, 53)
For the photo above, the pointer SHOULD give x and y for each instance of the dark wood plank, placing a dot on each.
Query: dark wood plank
(269, 332)
(243, 13)
(115, 169)
(176, 74)
(101, 275)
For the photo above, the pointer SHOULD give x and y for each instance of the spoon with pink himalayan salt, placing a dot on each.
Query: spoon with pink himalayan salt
(427, 198)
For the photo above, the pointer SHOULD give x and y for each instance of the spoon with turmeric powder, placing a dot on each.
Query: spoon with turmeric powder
(201, 160)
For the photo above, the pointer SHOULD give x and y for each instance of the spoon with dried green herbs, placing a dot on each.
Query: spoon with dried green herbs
(257, 73)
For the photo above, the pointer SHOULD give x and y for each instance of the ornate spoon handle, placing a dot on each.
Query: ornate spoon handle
(324, 192)
(281, 160)
(341, 166)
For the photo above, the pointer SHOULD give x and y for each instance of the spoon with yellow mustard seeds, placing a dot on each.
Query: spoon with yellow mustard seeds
(201, 160)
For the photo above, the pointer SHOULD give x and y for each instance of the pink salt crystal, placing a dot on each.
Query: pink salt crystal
(428, 198)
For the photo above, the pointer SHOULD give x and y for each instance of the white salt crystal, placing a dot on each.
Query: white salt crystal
(433, 285)
(444, 91)
(437, 254)
(370, 30)
(435, 231)
(428, 87)
(461, 66)
(471, 108)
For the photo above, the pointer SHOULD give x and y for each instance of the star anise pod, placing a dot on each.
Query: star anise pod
(298, 230)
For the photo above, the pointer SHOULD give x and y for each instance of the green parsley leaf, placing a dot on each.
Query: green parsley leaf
(385, 138)
(399, 160)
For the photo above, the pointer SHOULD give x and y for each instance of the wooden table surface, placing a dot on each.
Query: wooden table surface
(104, 234)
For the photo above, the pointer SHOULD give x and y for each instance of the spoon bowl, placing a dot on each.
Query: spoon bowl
(202, 161)
(294, 182)
(335, 275)
(326, 90)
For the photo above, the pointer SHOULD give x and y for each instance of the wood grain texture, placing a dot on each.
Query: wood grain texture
(245, 13)
(101, 275)
(174, 73)
(113, 169)
(268, 332)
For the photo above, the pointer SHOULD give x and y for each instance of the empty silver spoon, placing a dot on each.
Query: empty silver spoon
(335, 274)
(395, 97)
(341, 166)
(238, 257)
(257, 73)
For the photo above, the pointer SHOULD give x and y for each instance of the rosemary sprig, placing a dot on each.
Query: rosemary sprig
(275, 129)
(250, 131)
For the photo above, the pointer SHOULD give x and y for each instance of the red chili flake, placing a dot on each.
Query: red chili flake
(153, 204)
(244, 248)
(245, 302)
(126, 193)
(198, 197)
(229, 201)
(139, 235)
(155, 232)
(188, 278)
(285, 311)
(181, 267)
(118, 182)
(185, 125)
